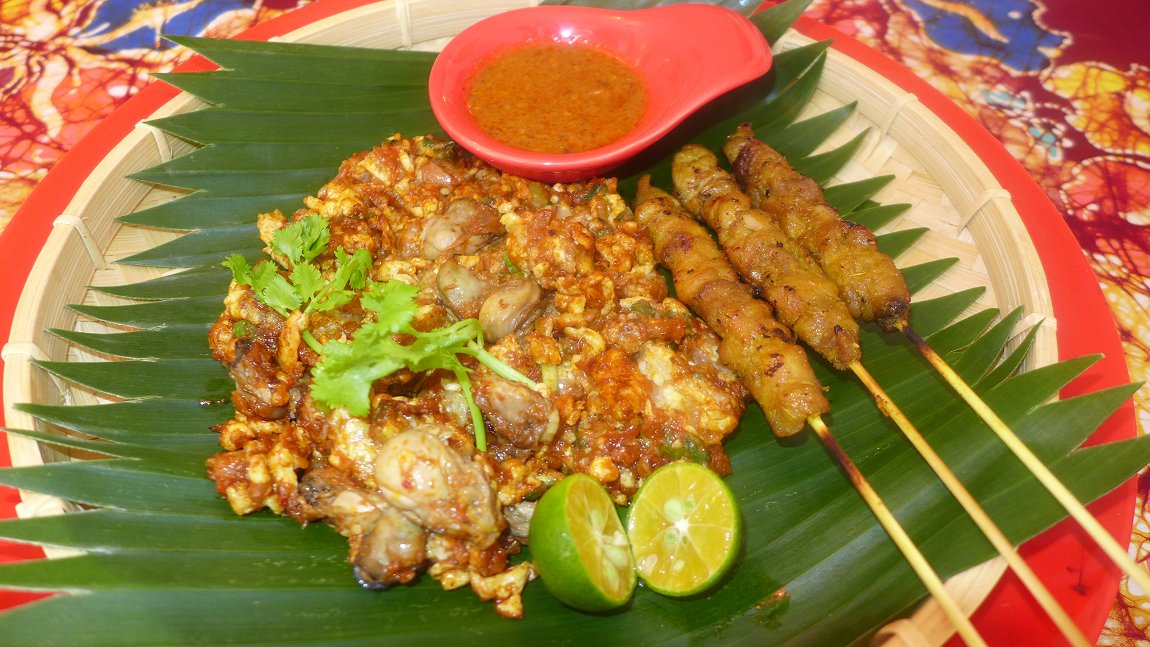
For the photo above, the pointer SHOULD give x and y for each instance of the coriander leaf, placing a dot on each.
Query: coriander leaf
(241, 270)
(354, 267)
(438, 348)
(269, 286)
(351, 271)
(307, 280)
(344, 376)
(347, 370)
(331, 300)
(302, 240)
(393, 302)
(273, 289)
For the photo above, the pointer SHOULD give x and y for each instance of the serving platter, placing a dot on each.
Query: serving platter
(963, 188)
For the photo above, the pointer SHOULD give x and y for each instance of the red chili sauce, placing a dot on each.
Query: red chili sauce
(551, 98)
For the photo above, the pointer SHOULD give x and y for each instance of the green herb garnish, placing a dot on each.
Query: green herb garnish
(690, 447)
(243, 329)
(304, 287)
(346, 370)
(644, 308)
(512, 269)
(344, 375)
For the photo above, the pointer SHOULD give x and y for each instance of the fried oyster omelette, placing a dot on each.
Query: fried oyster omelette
(583, 364)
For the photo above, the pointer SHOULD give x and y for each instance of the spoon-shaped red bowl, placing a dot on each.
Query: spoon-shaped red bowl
(686, 55)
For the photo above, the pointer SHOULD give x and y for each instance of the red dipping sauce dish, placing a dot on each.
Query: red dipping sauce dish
(685, 55)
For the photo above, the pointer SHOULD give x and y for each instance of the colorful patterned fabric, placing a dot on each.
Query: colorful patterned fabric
(64, 66)
(1064, 85)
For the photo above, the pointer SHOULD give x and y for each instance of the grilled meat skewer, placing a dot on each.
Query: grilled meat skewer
(876, 291)
(867, 279)
(705, 280)
(802, 296)
(756, 346)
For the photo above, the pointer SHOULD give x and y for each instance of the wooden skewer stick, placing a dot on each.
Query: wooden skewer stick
(977, 514)
(1060, 492)
(760, 167)
(902, 540)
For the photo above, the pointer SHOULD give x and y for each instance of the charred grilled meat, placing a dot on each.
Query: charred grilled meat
(802, 296)
(867, 279)
(759, 348)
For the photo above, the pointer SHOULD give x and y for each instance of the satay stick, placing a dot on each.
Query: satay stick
(898, 535)
(977, 514)
(706, 282)
(756, 247)
(771, 172)
(1039, 469)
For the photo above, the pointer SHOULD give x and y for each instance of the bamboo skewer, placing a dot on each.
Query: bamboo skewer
(761, 256)
(894, 529)
(1039, 469)
(975, 511)
(885, 301)
(757, 243)
(751, 340)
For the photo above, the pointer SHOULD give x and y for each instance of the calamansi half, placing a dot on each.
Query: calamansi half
(685, 528)
(579, 546)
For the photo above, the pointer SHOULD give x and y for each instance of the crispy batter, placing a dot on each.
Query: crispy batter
(803, 297)
(754, 344)
(868, 280)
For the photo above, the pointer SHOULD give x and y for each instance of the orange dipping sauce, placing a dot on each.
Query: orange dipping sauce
(551, 98)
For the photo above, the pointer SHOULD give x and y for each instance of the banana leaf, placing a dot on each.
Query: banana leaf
(166, 562)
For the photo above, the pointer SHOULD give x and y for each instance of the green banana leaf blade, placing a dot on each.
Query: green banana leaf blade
(825, 550)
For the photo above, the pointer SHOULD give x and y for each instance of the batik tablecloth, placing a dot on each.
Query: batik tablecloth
(1064, 84)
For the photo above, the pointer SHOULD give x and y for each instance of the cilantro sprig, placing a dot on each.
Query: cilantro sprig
(347, 369)
(304, 288)
(344, 375)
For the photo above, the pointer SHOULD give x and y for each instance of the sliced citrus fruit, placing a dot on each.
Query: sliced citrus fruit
(684, 528)
(579, 547)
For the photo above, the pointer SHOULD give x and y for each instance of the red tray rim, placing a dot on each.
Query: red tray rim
(1009, 615)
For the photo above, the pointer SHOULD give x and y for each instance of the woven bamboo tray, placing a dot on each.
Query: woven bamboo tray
(969, 216)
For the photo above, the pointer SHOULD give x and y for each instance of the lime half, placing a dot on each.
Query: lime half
(579, 547)
(684, 528)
